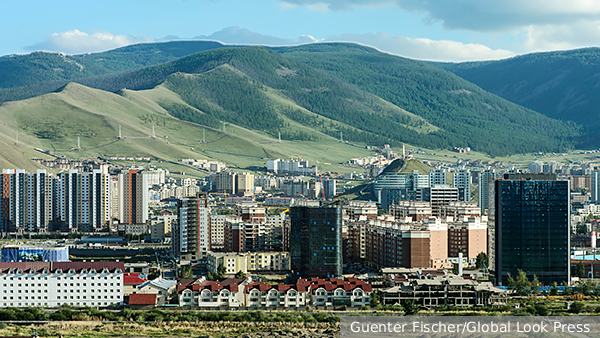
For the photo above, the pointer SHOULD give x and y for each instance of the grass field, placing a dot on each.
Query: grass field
(55, 122)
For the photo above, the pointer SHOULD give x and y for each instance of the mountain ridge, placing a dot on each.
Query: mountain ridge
(356, 92)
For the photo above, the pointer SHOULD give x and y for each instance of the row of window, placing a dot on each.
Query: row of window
(59, 278)
(58, 284)
(57, 297)
(46, 304)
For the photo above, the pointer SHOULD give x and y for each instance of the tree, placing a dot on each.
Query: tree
(554, 289)
(520, 283)
(580, 272)
(409, 307)
(535, 282)
(541, 310)
(576, 307)
(455, 269)
(186, 272)
(240, 275)
(482, 261)
(220, 271)
(375, 299)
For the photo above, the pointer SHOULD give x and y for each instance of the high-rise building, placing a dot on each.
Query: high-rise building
(26, 203)
(316, 241)
(535, 166)
(82, 200)
(392, 188)
(438, 176)
(192, 233)
(485, 180)
(438, 195)
(244, 184)
(532, 216)
(462, 181)
(224, 181)
(133, 197)
(40, 202)
(595, 186)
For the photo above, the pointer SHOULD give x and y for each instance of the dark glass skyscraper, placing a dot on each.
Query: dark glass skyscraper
(532, 216)
(316, 241)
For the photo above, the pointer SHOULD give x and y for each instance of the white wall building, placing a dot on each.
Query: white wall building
(52, 284)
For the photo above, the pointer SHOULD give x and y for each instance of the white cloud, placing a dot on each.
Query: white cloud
(75, 41)
(237, 35)
(552, 37)
(481, 15)
(425, 49)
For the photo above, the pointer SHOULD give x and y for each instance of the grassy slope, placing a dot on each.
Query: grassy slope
(416, 165)
(95, 116)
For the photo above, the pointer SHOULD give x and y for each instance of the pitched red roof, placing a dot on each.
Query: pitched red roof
(231, 284)
(142, 299)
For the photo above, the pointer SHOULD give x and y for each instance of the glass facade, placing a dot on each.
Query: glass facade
(316, 242)
(532, 229)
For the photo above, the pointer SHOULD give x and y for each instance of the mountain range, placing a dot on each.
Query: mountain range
(309, 96)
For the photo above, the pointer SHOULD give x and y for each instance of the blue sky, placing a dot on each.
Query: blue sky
(448, 30)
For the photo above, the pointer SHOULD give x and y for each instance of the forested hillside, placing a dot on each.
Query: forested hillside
(305, 92)
(29, 75)
(468, 115)
(563, 85)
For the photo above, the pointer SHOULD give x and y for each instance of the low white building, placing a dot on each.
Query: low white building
(52, 284)
(163, 289)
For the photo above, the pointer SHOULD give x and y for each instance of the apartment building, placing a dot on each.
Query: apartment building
(192, 233)
(249, 261)
(71, 201)
(53, 284)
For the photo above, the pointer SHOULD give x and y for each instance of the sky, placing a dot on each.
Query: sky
(442, 30)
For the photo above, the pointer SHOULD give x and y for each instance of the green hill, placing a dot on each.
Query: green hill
(465, 113)
(320, 92)
(54, 122)
(561, 85)
(25, 76)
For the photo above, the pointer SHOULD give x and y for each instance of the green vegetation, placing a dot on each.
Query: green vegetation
(521, 284)
(25, 76)
(466, 115)
(559, 84)
(219, 274)
(308, 93)
(86, 314)
(482, 261)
